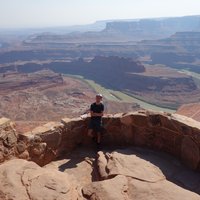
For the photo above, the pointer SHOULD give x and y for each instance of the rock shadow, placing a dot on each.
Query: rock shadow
(79, 155)
(171, 167)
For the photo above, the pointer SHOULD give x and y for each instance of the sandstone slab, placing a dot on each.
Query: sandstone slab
(22, 180)
(112, 189)
(131, 166)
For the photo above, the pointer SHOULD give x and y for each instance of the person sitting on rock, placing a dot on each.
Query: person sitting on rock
(96, 112)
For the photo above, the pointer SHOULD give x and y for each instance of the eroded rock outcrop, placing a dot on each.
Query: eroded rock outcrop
(23, 180)
(137, 174)
(171, 133)
(121, 187)
(131, 177)
(8, 139)
(133, 173)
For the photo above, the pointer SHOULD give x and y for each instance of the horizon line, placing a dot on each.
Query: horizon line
(97, 21)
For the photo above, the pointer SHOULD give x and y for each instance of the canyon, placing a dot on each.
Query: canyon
(155, 84)
(125, 56)
(49, 78)
(31, 99)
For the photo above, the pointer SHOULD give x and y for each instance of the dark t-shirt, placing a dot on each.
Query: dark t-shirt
(97, 108)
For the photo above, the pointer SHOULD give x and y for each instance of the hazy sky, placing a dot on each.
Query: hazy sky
(44, 13)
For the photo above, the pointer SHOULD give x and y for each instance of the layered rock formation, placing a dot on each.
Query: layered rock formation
(133, 173)
(122, 31)
(43, 79)
(172, 133)
(151, 28)
(158, 85)
(175, 134)
(32, 99)
(42, 96)
(180, 51)
(102, 64)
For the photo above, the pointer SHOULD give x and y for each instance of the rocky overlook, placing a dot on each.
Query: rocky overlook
(141, 158)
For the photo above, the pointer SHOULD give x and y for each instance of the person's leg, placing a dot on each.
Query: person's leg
(99, 132)
(90, 133)
(98, 137)
(90, 128)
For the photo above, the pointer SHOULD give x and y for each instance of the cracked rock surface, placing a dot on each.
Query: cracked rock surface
(120, 174)
(23, 180)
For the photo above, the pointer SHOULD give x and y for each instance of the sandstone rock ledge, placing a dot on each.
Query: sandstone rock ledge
(171, 133)
(121, 175)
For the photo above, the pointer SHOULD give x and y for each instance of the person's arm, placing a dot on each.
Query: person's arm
(92, 114)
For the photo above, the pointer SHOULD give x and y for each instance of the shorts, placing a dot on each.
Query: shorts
(96, 125)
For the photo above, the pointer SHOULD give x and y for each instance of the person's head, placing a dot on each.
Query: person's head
(99, 98)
